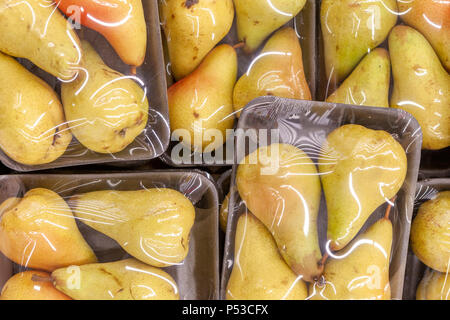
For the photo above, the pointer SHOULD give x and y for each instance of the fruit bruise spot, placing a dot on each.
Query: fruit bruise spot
(189, 3)
(123, 132)
(196, 115)
(182, 243)
(119, 283)
(56, 136)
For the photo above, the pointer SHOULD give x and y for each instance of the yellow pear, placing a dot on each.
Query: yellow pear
(192, 29)
(122, 280)
(39, 232)
(37, 31)
(368, 84)
(259, 272)
(360, 169)
(434, 286)
(277, 71)
(152, 225)
(223, 214)
(421, 85)
(281, 186)
(105, 110)
(32, 125)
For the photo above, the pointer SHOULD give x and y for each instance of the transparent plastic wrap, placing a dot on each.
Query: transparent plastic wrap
(147, 235)
(427, 278)
(89, 85)
(222, 54)
(321, 201)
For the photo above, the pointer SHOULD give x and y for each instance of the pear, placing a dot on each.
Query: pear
(362, 271)
(277, 71)
(350, 29)
(203, 101)
(31, 285)
(105, 110)
(430, 17)
(360, 169)
(434, 286)
(192, 29)
(430, 237)
(37, 31)
(259, 272)
(281, 186)
(257, 19)
(122, 280)
(368, 84)
(421, 85)
(223, 214)
(32, 125)
(152, 225)
(39, 232)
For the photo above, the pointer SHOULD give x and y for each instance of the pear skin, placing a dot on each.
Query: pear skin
(421, 85)
(350, 29)
(203, 101)
(430, 17)
(430, 233)
(281, 186)
(368, 85)
(39, 232)
(362, 271)
(434, 286)
(259, 272)
(192, 29)
(31, 285)
(152, 225)
(37, 31)
(257, 19)
(360, 169)
(223, 214)
(277, 71)
(105, 110)
(122, 280)
(32, 125)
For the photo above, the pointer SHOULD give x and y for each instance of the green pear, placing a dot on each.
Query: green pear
(362, 271)
(203, 101)
(152, 225)
(105, 110)
(32, 126)
(281, 186)
(430, 236)
(37, 31)
(122, 280)
(259, 272)
(368, 84)
(350, 29)
(192, 29)
(434, 286)
(421, 85)
(360, 169)
(257, 19)
(277, 71)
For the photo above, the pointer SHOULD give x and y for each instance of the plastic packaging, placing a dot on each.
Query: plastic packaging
(163, 224)
(104, 96)
(279, 250)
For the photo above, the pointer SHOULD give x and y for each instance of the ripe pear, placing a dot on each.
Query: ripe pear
(122, 280)
(430, 236)
(257, 19)
(362, 271)
(281, 186)
(430, 17)
(259, 272)
(360, 169)
(434, 286)
(421, 85)
(192, 29)
(105, 110)
(350, 29)
(223, 214)
(37, 31)
(368, 84)
(31, 285)
(277, 71)
(32, 125)
(152, 225)
(39, 231)
(203, 101)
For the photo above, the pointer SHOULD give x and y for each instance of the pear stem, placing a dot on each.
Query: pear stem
(388, 209)
(37, 278)
(133, 70)
(324, 259)
(239, 45)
